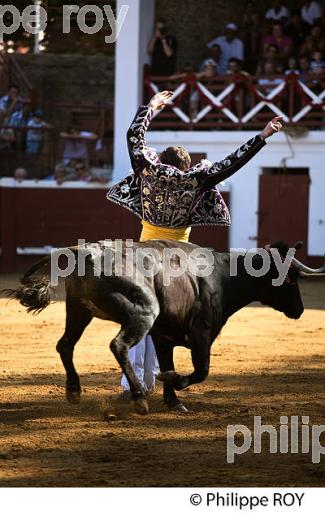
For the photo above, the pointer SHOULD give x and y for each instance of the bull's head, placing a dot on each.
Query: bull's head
(286, 297)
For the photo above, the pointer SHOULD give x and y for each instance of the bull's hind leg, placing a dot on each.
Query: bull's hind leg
(127, 337)
(77, 319)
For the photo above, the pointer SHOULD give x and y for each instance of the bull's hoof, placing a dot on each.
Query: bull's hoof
(170, 377)
(73, 396)
(178, 407)
(141, 406)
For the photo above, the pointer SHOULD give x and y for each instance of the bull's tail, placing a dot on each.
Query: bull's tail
(35, 289)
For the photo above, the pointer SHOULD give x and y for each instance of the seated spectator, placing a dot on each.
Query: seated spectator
(304, 67)
(7, 136)
(311, 12)
(317, 61)
(235, 67)
(20, 119)
(318, 81)
(251, 30)
(82, 172)
(214, 54)
(280, 39)
(20, 174)
(278, 12)
(35, 136)
(318, 36)
(11, 102)
(308, 47)
(230, 45)
(75, 144)
(297, 29)
(292, 66)
(271, 53)
(268, 83)
(207, 73)
(162, 49)
(209, 70)
(60, 175)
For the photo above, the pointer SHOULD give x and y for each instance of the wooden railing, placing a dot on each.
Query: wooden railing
(239, 101)
(12, 73)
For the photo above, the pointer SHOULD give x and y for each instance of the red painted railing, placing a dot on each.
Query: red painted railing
(239, 101)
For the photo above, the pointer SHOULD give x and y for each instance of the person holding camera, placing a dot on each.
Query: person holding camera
(162, 49)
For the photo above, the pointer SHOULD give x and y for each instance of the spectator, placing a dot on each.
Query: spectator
(20, 119)
(20, 174)
(304, 67)
(308, 47)
(268, 83)
(11, 102)
(75, 145)
(297, 29)
(251, 26)
(235, 67)
(318, 82)
(35, 136)
(317, 61)
(271, 53)
(292, 66)
(304, 64)
(281, 40)
(82, 172)
(230, 45)
(162, 49)
(239, 100)
(278, 12)
(209, 70)
(318, 37)
(7, 137)
(214, 54)
(311, 12)
(60, 175)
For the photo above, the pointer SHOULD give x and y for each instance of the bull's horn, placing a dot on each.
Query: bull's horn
(305, 269)
(302, 268)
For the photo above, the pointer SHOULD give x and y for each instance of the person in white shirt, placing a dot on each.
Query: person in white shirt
(278, 12)
(230, 45)
(311, 11)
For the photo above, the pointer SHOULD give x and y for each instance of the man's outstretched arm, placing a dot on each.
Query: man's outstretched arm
(220, 171)
(136, 133)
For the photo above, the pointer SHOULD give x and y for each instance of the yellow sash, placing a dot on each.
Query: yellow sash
(151, 232)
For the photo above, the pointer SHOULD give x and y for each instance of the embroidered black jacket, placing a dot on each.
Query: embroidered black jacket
(165, 196)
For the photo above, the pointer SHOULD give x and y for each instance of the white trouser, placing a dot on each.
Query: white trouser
(144, 363)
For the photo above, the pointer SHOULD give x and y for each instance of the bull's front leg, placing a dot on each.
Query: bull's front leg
(164, 352)
(200, 344)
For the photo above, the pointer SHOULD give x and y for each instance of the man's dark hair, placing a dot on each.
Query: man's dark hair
(234, 60)
(176, 156)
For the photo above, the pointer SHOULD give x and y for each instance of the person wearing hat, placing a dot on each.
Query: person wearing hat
(230, 46)
(35, 136)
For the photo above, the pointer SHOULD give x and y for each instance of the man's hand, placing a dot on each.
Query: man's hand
(272, 127)
(159, 100)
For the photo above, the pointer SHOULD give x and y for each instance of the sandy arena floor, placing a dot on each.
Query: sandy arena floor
(263, 364)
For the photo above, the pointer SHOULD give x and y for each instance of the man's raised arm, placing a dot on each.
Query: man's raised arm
(220, 171)
(136, 133)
